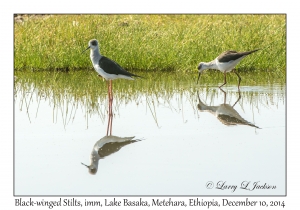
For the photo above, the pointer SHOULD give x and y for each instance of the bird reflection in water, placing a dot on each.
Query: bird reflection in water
(106, 146)
(225, 113)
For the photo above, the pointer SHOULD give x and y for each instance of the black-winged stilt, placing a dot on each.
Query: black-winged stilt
(109, 70)
(225, 113)
(105, 147)
(225, 62)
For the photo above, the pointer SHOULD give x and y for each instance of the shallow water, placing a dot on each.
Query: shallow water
(190, 142)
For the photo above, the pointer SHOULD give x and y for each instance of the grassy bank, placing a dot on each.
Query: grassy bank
(83, 83)
(84, 91)
(150, 42)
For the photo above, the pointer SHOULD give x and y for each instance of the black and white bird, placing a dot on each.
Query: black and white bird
(225, 63)
(108, 69)
(105, 147)
(225, 113)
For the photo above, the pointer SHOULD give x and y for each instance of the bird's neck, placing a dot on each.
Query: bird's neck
(210, 65)
(95, 56)
(95, 157)
(203, 107)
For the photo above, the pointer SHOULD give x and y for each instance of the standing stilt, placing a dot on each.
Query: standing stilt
(109, 70)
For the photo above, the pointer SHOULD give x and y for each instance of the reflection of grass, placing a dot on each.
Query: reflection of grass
(151, 42)
(69, 91)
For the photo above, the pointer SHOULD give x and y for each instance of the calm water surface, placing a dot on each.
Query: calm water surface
(203, 142)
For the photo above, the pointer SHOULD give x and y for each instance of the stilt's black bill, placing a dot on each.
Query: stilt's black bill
(198, 77)
(86, 49)
(85, 165)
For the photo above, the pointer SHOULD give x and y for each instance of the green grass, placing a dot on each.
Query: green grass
(83, 90)
(147, 43)
(84, 84)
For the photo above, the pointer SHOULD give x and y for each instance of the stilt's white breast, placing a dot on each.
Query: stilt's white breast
(101, 72)
(107, 76)
(105, 67)
(227, 66)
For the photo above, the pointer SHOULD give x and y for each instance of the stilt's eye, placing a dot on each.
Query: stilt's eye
(200, 66)
(94, 42)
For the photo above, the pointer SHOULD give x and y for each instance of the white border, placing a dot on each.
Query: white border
(154, 6)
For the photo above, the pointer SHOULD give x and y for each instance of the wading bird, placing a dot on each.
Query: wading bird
(225, 63)
(109, 70)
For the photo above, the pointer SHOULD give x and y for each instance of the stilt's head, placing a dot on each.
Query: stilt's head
(92, 170)
(93, 44)
(201, 68)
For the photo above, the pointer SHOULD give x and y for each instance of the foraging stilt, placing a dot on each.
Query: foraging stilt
(225, 63)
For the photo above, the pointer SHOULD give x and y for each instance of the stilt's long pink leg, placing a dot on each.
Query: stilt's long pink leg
(111, 102)
(110, 114)
(108, 109)
(224, 80)
(240, 79)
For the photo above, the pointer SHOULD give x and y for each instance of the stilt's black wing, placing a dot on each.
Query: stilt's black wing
(232, 55)
(112, 147)
(111, 67)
